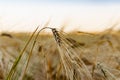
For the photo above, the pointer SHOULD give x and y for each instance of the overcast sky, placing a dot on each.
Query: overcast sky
(86, 15)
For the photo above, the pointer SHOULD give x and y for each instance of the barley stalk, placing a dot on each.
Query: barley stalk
(74, 67)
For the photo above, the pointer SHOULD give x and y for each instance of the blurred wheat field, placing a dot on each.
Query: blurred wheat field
(73, 56)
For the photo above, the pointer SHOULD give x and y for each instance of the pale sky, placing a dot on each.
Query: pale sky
(85, 15)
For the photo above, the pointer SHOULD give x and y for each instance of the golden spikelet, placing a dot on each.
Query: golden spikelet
(74, 67)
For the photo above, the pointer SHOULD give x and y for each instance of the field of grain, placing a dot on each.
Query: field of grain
(60, 56)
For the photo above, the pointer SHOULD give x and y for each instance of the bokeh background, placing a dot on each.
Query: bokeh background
(85, 15)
